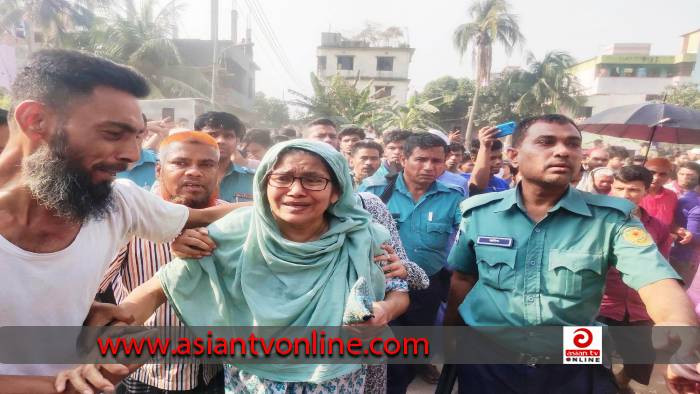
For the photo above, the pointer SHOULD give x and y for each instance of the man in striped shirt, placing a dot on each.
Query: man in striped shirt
(187, 175)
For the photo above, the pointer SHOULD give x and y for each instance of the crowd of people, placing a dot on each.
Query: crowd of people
(282, 224)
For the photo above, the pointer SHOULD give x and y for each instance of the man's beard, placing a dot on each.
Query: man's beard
(203, 202)
(61, 185)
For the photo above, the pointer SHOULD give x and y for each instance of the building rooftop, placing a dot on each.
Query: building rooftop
(336, 40)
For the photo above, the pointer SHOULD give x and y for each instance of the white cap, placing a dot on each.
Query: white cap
(695, 151)
(440, 134)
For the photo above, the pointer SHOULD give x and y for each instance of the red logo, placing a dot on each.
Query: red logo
(583, 337)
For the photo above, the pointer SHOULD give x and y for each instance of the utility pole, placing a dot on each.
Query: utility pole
(215, 52)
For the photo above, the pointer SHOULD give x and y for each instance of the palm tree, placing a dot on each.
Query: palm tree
(549, 85)
(54, 18)
(491, 23)
(340, 100)
(414, 115)
(142, 37)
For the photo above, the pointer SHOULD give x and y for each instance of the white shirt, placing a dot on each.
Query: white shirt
(57, 289)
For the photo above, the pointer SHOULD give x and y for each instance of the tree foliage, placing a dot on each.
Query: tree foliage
(340, 100)
(269, 112)
(685, 95)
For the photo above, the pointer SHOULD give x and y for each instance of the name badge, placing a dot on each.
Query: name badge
(494, 241)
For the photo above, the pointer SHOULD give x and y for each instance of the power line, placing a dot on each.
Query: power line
(273, 43)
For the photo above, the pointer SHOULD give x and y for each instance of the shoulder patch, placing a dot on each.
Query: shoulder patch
(479, 200)
(637, 236)
(620, 204)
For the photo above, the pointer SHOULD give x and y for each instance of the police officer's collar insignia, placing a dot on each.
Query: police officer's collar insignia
(494, 241)
(637, 236)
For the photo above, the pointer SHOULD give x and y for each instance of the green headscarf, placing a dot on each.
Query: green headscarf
(255, 277)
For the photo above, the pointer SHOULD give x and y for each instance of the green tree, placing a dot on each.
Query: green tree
(416, 114)
(491, 23)
(549, 85)
(453, 110)
(340, 100)
(141, 35)
(52, 18)
(685, 95)
(269, 112)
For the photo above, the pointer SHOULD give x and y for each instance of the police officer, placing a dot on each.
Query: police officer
(236, 181)
(538, 254)
(427, 214)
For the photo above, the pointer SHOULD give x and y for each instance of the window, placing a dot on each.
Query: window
(385, 63)
(382, 91)
(321, 63)
(345, 62)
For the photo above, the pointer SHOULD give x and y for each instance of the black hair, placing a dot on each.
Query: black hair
(618, 151)
(395, 136)
(524, 125)
(220, 120)
(3, 117)
(288, 132)
(321, 122)
(455, 147)
(423, 141)
(474, 146)
(367, 144)
(258, 136)
(634, 173)
(277, 138)
(691, 165)
(352, 130)
(56, 76)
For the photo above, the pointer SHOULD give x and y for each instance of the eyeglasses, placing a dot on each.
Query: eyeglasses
(312, 183)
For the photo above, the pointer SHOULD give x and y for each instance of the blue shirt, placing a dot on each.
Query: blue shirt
(496, 184)
(143, 172)
(237, 184)
(425, 226)
(455, 180)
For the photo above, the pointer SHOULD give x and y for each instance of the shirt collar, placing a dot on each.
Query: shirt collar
(436, 186)
(147, 156)
(572, 201)
(233, 167)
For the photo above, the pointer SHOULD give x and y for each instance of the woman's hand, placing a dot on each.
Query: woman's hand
(391, 264)
(193, 244)
(381, 315)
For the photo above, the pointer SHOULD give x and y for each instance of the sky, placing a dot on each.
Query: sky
(582, 28)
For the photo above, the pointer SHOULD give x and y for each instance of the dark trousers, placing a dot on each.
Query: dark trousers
(525, 379)
(421, 312)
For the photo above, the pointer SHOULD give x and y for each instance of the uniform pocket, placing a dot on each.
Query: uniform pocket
(437, 235)
(496, 266)
(570, 272)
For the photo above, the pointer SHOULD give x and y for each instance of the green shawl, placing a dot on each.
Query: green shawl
(255, 277)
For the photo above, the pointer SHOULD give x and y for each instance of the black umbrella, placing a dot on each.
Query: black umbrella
(649, 122)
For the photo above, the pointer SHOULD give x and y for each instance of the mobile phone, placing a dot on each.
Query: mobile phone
(505, 129)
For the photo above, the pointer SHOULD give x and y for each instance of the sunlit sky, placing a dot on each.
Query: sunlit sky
(582, 28)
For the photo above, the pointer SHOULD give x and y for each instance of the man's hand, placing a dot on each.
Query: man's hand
(684, 236)
(487, 136)
(455, 137)
(101, 314)
(677, 384)
(90, 378)
(193, 244)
